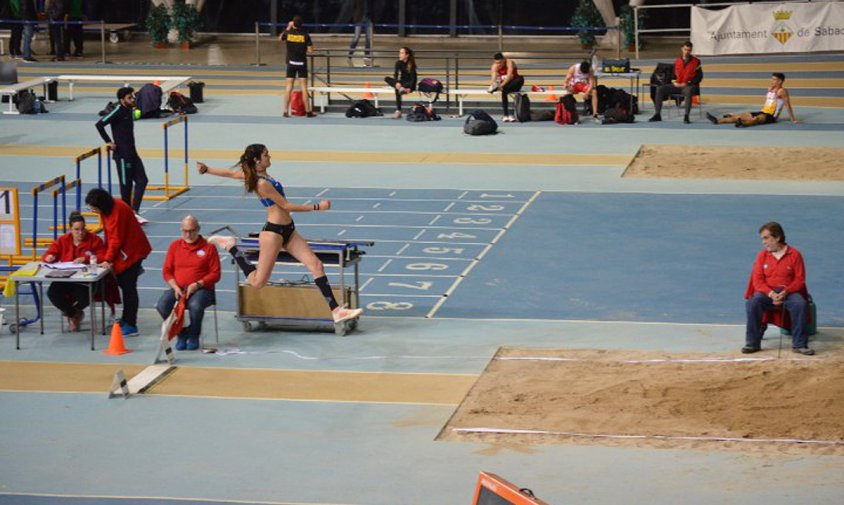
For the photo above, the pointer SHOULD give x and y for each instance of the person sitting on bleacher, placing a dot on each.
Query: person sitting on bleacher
(78, 246)
(404, 77)
(191, 268)
(504, 77)
(686, 82)
(580, 78)
(775, 100)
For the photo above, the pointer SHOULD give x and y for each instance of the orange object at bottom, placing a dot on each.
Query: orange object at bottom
(297, 103)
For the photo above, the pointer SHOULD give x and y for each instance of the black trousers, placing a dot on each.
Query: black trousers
(128, 282)
(15, 39)
(132, 175)
(74, 34)
(68, 297)
(663, 92)
(511, 87)
(391, 81)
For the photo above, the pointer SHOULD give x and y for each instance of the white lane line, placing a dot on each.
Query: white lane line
(477, 260)
(359, 219)
(341, 232)
(366, 283)
(324, 191)
(396, 295)
(462, 195)
(420, 234)
(449, 206)
(384, 265)
(377, 204)
(404, 247)
(434, 220)
(392, 194)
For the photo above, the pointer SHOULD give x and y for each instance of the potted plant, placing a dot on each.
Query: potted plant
(628, 27)
(586, 15)
(158, 24)
(185, 21)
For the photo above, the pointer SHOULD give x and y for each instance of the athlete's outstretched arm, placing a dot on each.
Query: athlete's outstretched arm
(231, 173)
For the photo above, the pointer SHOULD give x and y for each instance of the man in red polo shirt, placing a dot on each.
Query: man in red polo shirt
(191, 268)
(778, 282)
(686, 81)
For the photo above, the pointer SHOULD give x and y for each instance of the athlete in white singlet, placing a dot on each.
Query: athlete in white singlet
(775, 100)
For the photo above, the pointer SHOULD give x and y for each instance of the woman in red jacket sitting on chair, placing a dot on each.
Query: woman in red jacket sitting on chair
(126, 248)
(77, 245)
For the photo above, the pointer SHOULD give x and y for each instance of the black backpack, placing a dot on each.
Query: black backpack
(110, 106)
(662, 75)
(362, 108)
(567, 111)
(149, 100)
(480, 123)
(181, 104)
(26, 101)
(521, 106)
(618, 114)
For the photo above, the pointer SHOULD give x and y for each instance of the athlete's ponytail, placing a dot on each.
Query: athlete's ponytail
(247, 164)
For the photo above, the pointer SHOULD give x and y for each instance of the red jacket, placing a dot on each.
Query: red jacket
(769, 274)
(126, 242)
(686, 71)
(189, 263)
(64, 250)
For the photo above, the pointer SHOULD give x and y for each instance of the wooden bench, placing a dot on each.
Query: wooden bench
(324, 91)
(461, 94)
(11, 90)
(167, 83)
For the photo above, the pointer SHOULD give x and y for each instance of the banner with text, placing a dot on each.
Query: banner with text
(769, 28)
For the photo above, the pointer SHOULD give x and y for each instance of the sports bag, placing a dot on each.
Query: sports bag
(420, 112)
(362, 108)
(429, 85)
(480, 123)
(26, 102)
(180, 103)
(566, 110)
(521, 106)
(149, 100)
(542, 115)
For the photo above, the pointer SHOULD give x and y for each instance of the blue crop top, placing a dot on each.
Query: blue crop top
(268, 202)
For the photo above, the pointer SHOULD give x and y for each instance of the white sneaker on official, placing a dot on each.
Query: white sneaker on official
(140, 219)
(341, 314)
(222, 241)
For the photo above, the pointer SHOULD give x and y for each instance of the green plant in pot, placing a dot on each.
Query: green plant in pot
(628, 27)
(586, 15)
(185, 21)
(158, 24)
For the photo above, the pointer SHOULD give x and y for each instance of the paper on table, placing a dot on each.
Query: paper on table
(64, 265)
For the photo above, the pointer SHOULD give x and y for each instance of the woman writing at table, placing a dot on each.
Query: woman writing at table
(77, 246)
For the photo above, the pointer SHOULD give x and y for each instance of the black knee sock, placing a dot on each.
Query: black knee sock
(325, 289)
(241, 261)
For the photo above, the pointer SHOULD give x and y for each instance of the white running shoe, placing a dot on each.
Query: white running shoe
(222, 241)
(341, 314)
(140, 219)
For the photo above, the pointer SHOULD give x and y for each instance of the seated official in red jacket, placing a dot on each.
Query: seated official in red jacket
(126, 248)
(778, 282)
(77, 246)
(687, 76)
(191, 268)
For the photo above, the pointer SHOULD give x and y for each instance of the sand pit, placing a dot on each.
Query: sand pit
(736, 162)
(710, 402)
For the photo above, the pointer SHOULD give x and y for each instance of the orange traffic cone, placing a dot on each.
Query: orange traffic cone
(115, 345)
(695, 99)
(552, 97)
(368, 95)
(157, 82)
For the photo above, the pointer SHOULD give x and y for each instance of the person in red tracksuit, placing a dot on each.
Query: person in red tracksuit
(191, 268)
(126, 248)
(687, 76)
(77, 245)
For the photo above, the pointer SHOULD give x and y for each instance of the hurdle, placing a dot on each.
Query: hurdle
(10, 227)
(34, 242)
(171, 192)
(84, 156)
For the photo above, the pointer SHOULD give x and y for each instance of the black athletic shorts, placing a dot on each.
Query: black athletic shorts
(768, 118)
(285, 230)
(294, 71)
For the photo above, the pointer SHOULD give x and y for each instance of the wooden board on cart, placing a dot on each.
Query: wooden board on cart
(288, 301)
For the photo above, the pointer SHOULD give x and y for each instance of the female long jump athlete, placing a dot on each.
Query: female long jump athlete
(279, 231)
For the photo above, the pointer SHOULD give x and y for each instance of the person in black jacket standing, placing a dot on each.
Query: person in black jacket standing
(130, 168)
(299, 45)
(404, 77)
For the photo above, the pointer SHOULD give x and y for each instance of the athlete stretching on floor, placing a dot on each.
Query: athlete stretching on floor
(279, 231)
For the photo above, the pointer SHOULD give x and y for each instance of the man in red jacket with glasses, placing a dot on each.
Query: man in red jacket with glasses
(191, 268)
